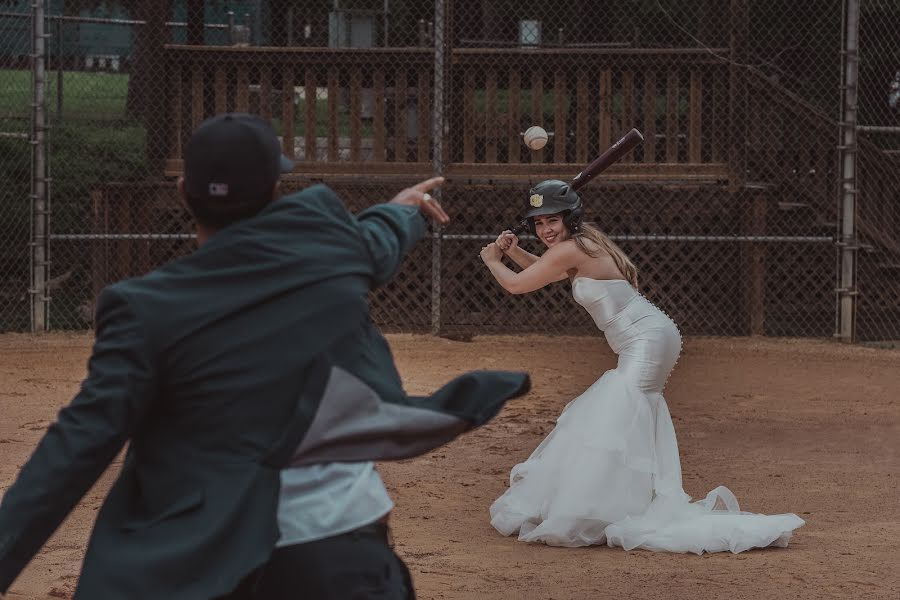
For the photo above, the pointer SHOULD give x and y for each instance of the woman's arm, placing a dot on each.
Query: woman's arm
(509, 244)
(550, 267)
(523, 258)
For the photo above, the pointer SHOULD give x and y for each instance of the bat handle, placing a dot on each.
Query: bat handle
(520, 228)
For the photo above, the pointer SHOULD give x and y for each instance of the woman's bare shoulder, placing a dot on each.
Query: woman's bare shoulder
(591, 248)
(566, 253)
(566, 247)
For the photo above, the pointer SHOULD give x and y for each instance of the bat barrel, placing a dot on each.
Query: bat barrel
(612, 155)
(615, 152)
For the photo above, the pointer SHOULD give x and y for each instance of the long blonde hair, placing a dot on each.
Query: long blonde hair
(602, 243)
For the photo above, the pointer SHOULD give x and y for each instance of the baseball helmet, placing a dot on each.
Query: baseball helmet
(551, 197)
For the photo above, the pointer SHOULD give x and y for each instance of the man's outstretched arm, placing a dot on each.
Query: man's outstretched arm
(86, 437)
(392, 229)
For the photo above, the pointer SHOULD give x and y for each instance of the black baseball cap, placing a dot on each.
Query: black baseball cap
(231, 165)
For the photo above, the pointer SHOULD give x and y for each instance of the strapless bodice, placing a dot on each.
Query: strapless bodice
(636, 330)
(617, 307)
(604, 299)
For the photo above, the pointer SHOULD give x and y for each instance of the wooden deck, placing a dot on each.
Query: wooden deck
(369, 112)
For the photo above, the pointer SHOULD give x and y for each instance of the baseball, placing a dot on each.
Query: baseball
(535, 137)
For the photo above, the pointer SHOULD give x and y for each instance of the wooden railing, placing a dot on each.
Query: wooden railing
(588, 99)
(303, 93)
(793, 145)
(790, 142)
(372, 109)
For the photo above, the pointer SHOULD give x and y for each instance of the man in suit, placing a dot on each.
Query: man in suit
(254, 392)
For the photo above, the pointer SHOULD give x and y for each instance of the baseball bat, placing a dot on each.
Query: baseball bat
(608, 158)
(612, 155)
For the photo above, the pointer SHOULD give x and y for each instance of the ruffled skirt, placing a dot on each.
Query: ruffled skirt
(609, 472)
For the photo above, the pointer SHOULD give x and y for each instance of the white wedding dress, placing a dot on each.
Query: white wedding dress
(609, 471)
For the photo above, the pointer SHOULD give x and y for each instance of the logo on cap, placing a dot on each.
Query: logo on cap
(536, 200)
(218, 189)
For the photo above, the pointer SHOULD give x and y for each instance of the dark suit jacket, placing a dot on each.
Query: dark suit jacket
(253, 353)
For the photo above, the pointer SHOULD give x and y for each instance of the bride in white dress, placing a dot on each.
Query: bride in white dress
(609, 471)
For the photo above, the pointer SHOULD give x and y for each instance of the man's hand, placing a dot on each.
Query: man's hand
(418, 195)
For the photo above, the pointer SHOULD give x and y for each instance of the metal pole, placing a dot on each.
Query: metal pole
(39, 223)
(386, 20)
(290, 26)
(257, 23)
(101, 21)
(60, 57)
(877, 129)
(847, 290)
(437, 157)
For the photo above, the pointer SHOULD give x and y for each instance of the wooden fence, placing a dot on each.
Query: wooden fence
(369, 111)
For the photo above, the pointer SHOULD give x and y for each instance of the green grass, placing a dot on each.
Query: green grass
(102, 97)
(525, 98)
(81, 156)
(94, 96)
(548, 103)
(93, 143)
(343, 121)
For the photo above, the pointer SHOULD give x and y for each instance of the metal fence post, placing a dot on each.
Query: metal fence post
(738, 98)
(437, 148)
(60, 58)
(847, 290)
(39, 201)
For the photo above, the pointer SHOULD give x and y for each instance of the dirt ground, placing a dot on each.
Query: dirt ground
(800, 426)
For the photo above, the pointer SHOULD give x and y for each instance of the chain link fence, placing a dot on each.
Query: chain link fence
(15, 177)
(878, 210)
(733, 208)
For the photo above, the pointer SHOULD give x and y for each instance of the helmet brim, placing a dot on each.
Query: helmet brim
(545, 210)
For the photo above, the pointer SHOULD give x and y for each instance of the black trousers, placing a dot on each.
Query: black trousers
(357, 565)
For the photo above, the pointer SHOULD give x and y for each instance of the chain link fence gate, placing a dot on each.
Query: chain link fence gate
(878, 209)
(16, 130)
(730, 208)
